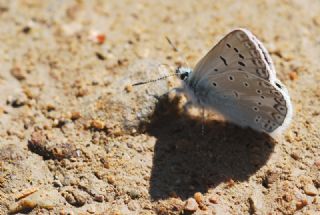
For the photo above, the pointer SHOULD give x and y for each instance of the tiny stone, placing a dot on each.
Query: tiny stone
(270, 178)
(97, 124)
(287, 197)
(310, 190)
(134, 194)
(57, 183)
(110, 179)
(128, 88)
(191, 205)
(82, 92)
(317, 163)
(75, 115)
(18, 73)
(213, 200)
(300, 204)
(26, 29)
(316, 200)
(198, 197)
(293, 76)
(98, 198)
(230, 183)
(256, 201)
(295, 156)
(133, 205)
(100, 56)
(50, 107)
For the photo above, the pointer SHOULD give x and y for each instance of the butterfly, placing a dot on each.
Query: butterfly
(237, 79)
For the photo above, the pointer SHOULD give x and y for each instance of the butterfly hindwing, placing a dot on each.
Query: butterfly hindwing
(244, 99)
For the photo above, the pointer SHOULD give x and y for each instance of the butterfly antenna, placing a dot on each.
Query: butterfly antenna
(154, 80)
(177, 50)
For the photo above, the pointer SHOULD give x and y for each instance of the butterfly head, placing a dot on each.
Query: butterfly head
(183, 73)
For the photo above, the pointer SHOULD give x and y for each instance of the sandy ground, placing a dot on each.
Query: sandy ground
(75, 138)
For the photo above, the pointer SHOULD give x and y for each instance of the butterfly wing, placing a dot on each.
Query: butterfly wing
(246, 100)
(238, 50)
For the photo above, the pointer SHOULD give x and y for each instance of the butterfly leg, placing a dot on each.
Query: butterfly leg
(202, 120)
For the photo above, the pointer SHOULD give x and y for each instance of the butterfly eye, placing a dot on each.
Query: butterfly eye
(184, 76)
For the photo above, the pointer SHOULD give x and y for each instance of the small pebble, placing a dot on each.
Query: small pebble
(128, 88)
(97, 124)
(98, 198)
(270, 178)
(295, 156)
(301, 203)
(310, 190)
(293, 76)
(191, 205)
(18, 73)
(110, 179)
(317, 163)
(75, 115)
(213, 200)
(91, 209)
(287, 197)
(82, 92)
(17, 100)
(230, 183)
(133, 205)
(198, 197)
(134, 194)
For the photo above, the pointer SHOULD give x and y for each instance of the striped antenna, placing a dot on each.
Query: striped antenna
(164, 77)
(154, 80)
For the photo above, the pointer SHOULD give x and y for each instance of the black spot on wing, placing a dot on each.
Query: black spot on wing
(224, 60)
(241, 63)
(278, 85)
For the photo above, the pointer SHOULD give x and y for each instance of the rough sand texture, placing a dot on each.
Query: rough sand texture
(75, 138)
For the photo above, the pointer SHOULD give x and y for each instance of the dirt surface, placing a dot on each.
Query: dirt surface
(76, 138)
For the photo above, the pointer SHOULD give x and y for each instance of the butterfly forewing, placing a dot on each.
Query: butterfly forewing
(240, 50)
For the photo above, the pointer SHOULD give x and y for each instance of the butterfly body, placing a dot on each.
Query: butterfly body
(237, 79)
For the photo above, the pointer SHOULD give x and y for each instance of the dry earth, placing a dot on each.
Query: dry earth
(75, 138)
